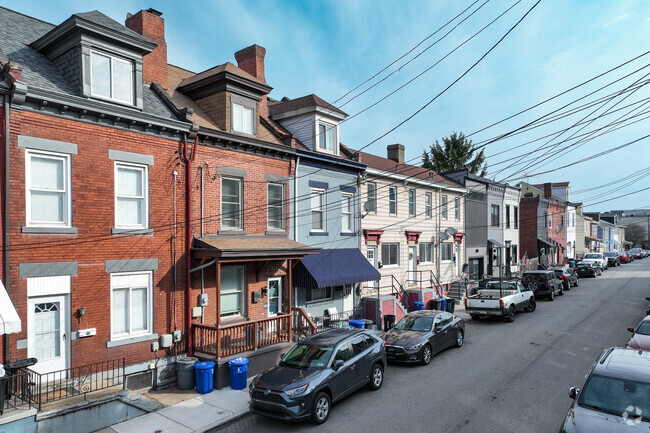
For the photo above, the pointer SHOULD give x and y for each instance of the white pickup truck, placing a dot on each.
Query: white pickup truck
(500, 298)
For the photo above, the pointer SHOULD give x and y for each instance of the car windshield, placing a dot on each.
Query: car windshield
(410, 323)
(307, 356)
(559, 272)
(610, 254)
(592, 256)
(617, 396)
(644, 328)
(535, 277)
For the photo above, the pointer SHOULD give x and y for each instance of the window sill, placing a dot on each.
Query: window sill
(53, 230)
(319, 234)
(131, 340)
(390, 266)
(348, 234)
(231, 232)
(276, 233)
(232, 320)
(131, 231)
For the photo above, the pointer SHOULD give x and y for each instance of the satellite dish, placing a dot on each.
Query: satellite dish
(368, 206)
(560, 227)
(443, 235)
(452, 231)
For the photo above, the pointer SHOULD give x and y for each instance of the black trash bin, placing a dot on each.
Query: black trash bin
(450, 305)
(389, 321)
(436, 304)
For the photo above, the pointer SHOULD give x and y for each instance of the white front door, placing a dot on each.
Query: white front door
(47, 327)
(459, 260)
(413, 265)
(348, 300)
(275, 296)
(371, 254)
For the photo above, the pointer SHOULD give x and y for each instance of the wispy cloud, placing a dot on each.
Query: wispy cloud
(616, 20)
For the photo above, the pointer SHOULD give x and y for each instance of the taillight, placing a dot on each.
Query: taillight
(563, 277)
(501, 304)
(465, 302)
(384, 342)
(546, 286)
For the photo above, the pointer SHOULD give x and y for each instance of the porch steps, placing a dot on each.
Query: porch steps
(457, 291)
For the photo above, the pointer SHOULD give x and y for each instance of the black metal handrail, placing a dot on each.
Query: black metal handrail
(15, 391)
(328, 321)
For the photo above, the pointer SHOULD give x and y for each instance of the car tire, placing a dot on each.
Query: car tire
(561, 291)
(551, 296)
(460, 338)
(321, 408)
(577, 283)
(567, 286)
(532, 306)
(427, 354)
(511, 314)
(376, 377)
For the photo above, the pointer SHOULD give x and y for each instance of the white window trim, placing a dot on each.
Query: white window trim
(444, 207)
(374, 199)
(145, 191)
(241, 203)
(347, 213)
(149, 330)
(392, 188)
(415, 209)
(452, 252)
(385, 266)
(428, 207)
(424, 262)
(322, 210)
(112, 58)
(242, 310)
(67, 179)
(457, 209)
(328, 126)
(283, 217)
(232, 119)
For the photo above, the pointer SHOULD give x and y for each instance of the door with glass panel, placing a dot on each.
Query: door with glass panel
(47, 333)
(275, 296)
(371, 255)
(413, 266)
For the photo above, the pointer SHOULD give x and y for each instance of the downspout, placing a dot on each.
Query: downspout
(188, 237)
(295, 218)
(5, 235)
(205, 164)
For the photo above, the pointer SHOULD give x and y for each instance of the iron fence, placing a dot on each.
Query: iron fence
(338, 319)
(15, 392)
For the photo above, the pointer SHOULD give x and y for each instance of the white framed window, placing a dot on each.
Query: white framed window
(231, 292)
(392, 200)
(507, 216)
(318, 210)
(47, 178)
(131, 304)
(231, 203)
(427, 205)
(443, 207)
(111, 77)
(515, 219)
(372, 197)
(131, 195)
(494, 215)
(426, 252)
(390, 254)
(347, 223)
(319, 294)
(275, 206)
(412, 209)
(242, 119)
(327, 137)
(457, 208)
(446, 251)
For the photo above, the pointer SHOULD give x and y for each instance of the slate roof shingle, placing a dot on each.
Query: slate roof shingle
(278, 107)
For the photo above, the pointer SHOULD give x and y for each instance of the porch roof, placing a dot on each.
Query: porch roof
(334, 267)
(249, 247)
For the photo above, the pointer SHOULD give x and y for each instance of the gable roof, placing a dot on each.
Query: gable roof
(285, 106)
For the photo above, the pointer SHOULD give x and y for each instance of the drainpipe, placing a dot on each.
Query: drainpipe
(295, 219)
(205, 164)
(5, 252)
(188, 237)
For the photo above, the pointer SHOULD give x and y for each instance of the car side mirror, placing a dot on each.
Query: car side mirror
(573, 392)
(338, 364)
(282, 356)
(630, 329)
(437, 328)
(647, 298)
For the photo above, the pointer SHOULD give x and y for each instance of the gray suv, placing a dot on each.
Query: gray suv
(317, 372)
(542, 283)
(615, 397)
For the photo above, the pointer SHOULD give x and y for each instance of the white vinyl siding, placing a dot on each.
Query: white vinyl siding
(111, 77)
(48, 189)
(231, 203)
(318, 210)
(232, 291)
(275, 206)
(131, 309)
(131, 196)
(242, 119)
(347, 223)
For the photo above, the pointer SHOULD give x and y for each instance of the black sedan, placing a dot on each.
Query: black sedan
(588, 270)
(317, 372)
(422, 334)
(612, 259)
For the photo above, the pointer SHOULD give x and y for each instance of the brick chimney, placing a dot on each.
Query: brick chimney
(396, 152)
(251, 60)
(548, 190)
(151, 25)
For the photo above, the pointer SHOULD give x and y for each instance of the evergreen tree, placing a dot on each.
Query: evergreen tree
(455, 153)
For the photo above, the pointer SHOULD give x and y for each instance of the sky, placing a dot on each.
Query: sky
(466, 66)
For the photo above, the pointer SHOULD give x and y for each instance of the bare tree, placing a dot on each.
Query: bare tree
(636, 234)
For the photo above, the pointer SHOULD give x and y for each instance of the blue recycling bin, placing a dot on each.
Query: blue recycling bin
(204, 375)
(417, 305)
(442, 303)
(238, 371)
(357, 323)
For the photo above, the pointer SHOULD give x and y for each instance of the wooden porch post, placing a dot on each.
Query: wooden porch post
(218, 305)
(289, 297)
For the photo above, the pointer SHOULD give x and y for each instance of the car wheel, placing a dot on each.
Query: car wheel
(425, 358)
(460, 338)
(551, 296)
(532, 305)
(532, 286)
(510, 317)
(475, 316)
(561, 291)
(567, 286)
(577, 282)
(320, 410)
(376, 377)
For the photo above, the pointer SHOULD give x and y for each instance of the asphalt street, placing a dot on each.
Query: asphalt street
(507, 377)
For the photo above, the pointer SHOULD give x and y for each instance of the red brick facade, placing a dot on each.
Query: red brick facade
(528, 227)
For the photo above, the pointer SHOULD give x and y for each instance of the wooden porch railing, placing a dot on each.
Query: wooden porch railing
(302, 323)
(240, 337)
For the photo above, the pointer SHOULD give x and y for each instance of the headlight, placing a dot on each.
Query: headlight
(296, 391)
(414, 347)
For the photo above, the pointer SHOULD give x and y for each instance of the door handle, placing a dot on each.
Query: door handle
(63, 337)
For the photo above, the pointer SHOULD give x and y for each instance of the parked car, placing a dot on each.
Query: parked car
(542, 283)
(598, 258)
(615, 397)
(500, 298)
(640, 336)
(612, 259)
(637, 253)
(630, 256)
(568, 277)
(623, 257)
(318, 371)
(421, 334)
(589, 269)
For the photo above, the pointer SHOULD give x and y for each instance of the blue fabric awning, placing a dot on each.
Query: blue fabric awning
(334, 267)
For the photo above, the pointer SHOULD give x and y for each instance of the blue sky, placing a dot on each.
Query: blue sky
(330, 47)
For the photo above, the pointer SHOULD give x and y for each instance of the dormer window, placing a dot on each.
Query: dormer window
(242, 118)
(326, 137)
(111, 77)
